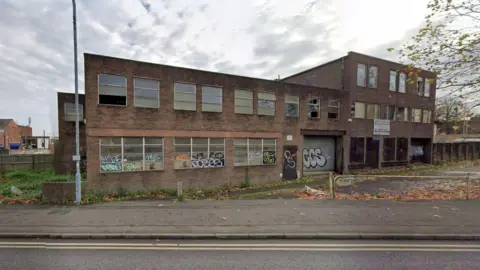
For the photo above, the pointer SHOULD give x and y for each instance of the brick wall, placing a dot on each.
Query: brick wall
(168, 123)
(12, 134)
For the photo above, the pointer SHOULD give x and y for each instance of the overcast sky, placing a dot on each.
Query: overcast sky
(258, 38)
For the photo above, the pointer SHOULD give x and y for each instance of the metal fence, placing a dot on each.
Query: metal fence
(464, 185)
(25, 162)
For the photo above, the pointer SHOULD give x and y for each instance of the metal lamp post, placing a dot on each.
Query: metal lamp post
(76, 158)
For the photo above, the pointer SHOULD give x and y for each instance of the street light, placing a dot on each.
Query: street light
(76, 158)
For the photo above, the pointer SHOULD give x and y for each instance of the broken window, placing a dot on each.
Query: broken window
(112, 90)
(333, 109)
(291, 106)
(314, 108)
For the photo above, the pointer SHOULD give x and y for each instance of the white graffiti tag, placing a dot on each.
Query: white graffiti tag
(313, 158)
(289, 160)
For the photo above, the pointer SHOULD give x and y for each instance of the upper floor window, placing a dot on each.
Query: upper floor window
(333, 109)
(373, 111)
(416, 115)
(266, 103)
(390, 112)
(211, 99)
(70, 112)
(402, 82)
(393, 81)
(244, 101)
(147, 93)
(291, 106)
(314, 108)
(419, 86)
(185, 97)
(359, 110)
(361, 75)
(372, 76)
(427, 87)
(427, 116)
(112, 90)
(402, 114)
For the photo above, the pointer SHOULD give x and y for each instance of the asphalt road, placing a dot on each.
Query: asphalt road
(48, 254)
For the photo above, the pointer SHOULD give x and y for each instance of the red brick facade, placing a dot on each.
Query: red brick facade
(107, 121)
(12, 133)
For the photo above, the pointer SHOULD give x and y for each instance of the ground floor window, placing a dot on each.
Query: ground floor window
(389, 149)
(357, 150)
(251, 152)
(199, 153)
(402, 149)
(119, 154)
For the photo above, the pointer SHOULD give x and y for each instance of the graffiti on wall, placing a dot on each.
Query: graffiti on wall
(214, 160)
(254, 155)
(111, 163)
(269, 157)
(313, 158)
(290, 163)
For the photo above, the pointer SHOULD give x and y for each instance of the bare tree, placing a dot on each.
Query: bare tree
(448, 45)
(451, 112)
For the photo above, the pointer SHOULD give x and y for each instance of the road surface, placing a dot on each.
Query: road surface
(122, 254)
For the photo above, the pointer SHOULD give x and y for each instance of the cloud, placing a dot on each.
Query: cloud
(257, 38)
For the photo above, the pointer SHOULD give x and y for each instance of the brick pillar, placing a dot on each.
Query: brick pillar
(380, 152)
(409, 150)
(346, 153)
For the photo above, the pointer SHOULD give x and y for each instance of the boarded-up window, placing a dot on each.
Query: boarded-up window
(373, 111)
(147, 93)
(185, 97)
(393, 81)
(359, 110)
(372, 76)
(211, 99)
(291, 106)
(70, 112)
(266, 103)
(361, 75)
(244, 101)
(313, 108)
(402, 82)
(112, 90)
(199, 153)
(333, 109)
(250, 152)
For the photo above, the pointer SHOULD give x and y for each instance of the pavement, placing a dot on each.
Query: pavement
(260, 254)
(247, 219)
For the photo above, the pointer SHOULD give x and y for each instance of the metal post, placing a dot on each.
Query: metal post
(78, 186)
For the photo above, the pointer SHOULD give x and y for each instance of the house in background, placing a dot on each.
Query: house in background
(11, 134)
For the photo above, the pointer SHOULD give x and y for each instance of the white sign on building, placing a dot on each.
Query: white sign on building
(381, 127)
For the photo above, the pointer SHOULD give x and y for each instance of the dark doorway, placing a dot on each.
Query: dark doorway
(420, 150)
(290, 162)
(372, 152)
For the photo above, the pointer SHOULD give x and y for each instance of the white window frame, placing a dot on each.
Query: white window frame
(144, 169)
(70, 115)
(291, 99)
(365, 73)
(175, 97)
(113, 85)
(402, 83)
(148, 89)
(208, 151)
(394, 75)
(243, 98)
(204, 109)
(266, 96)
(263, 149)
